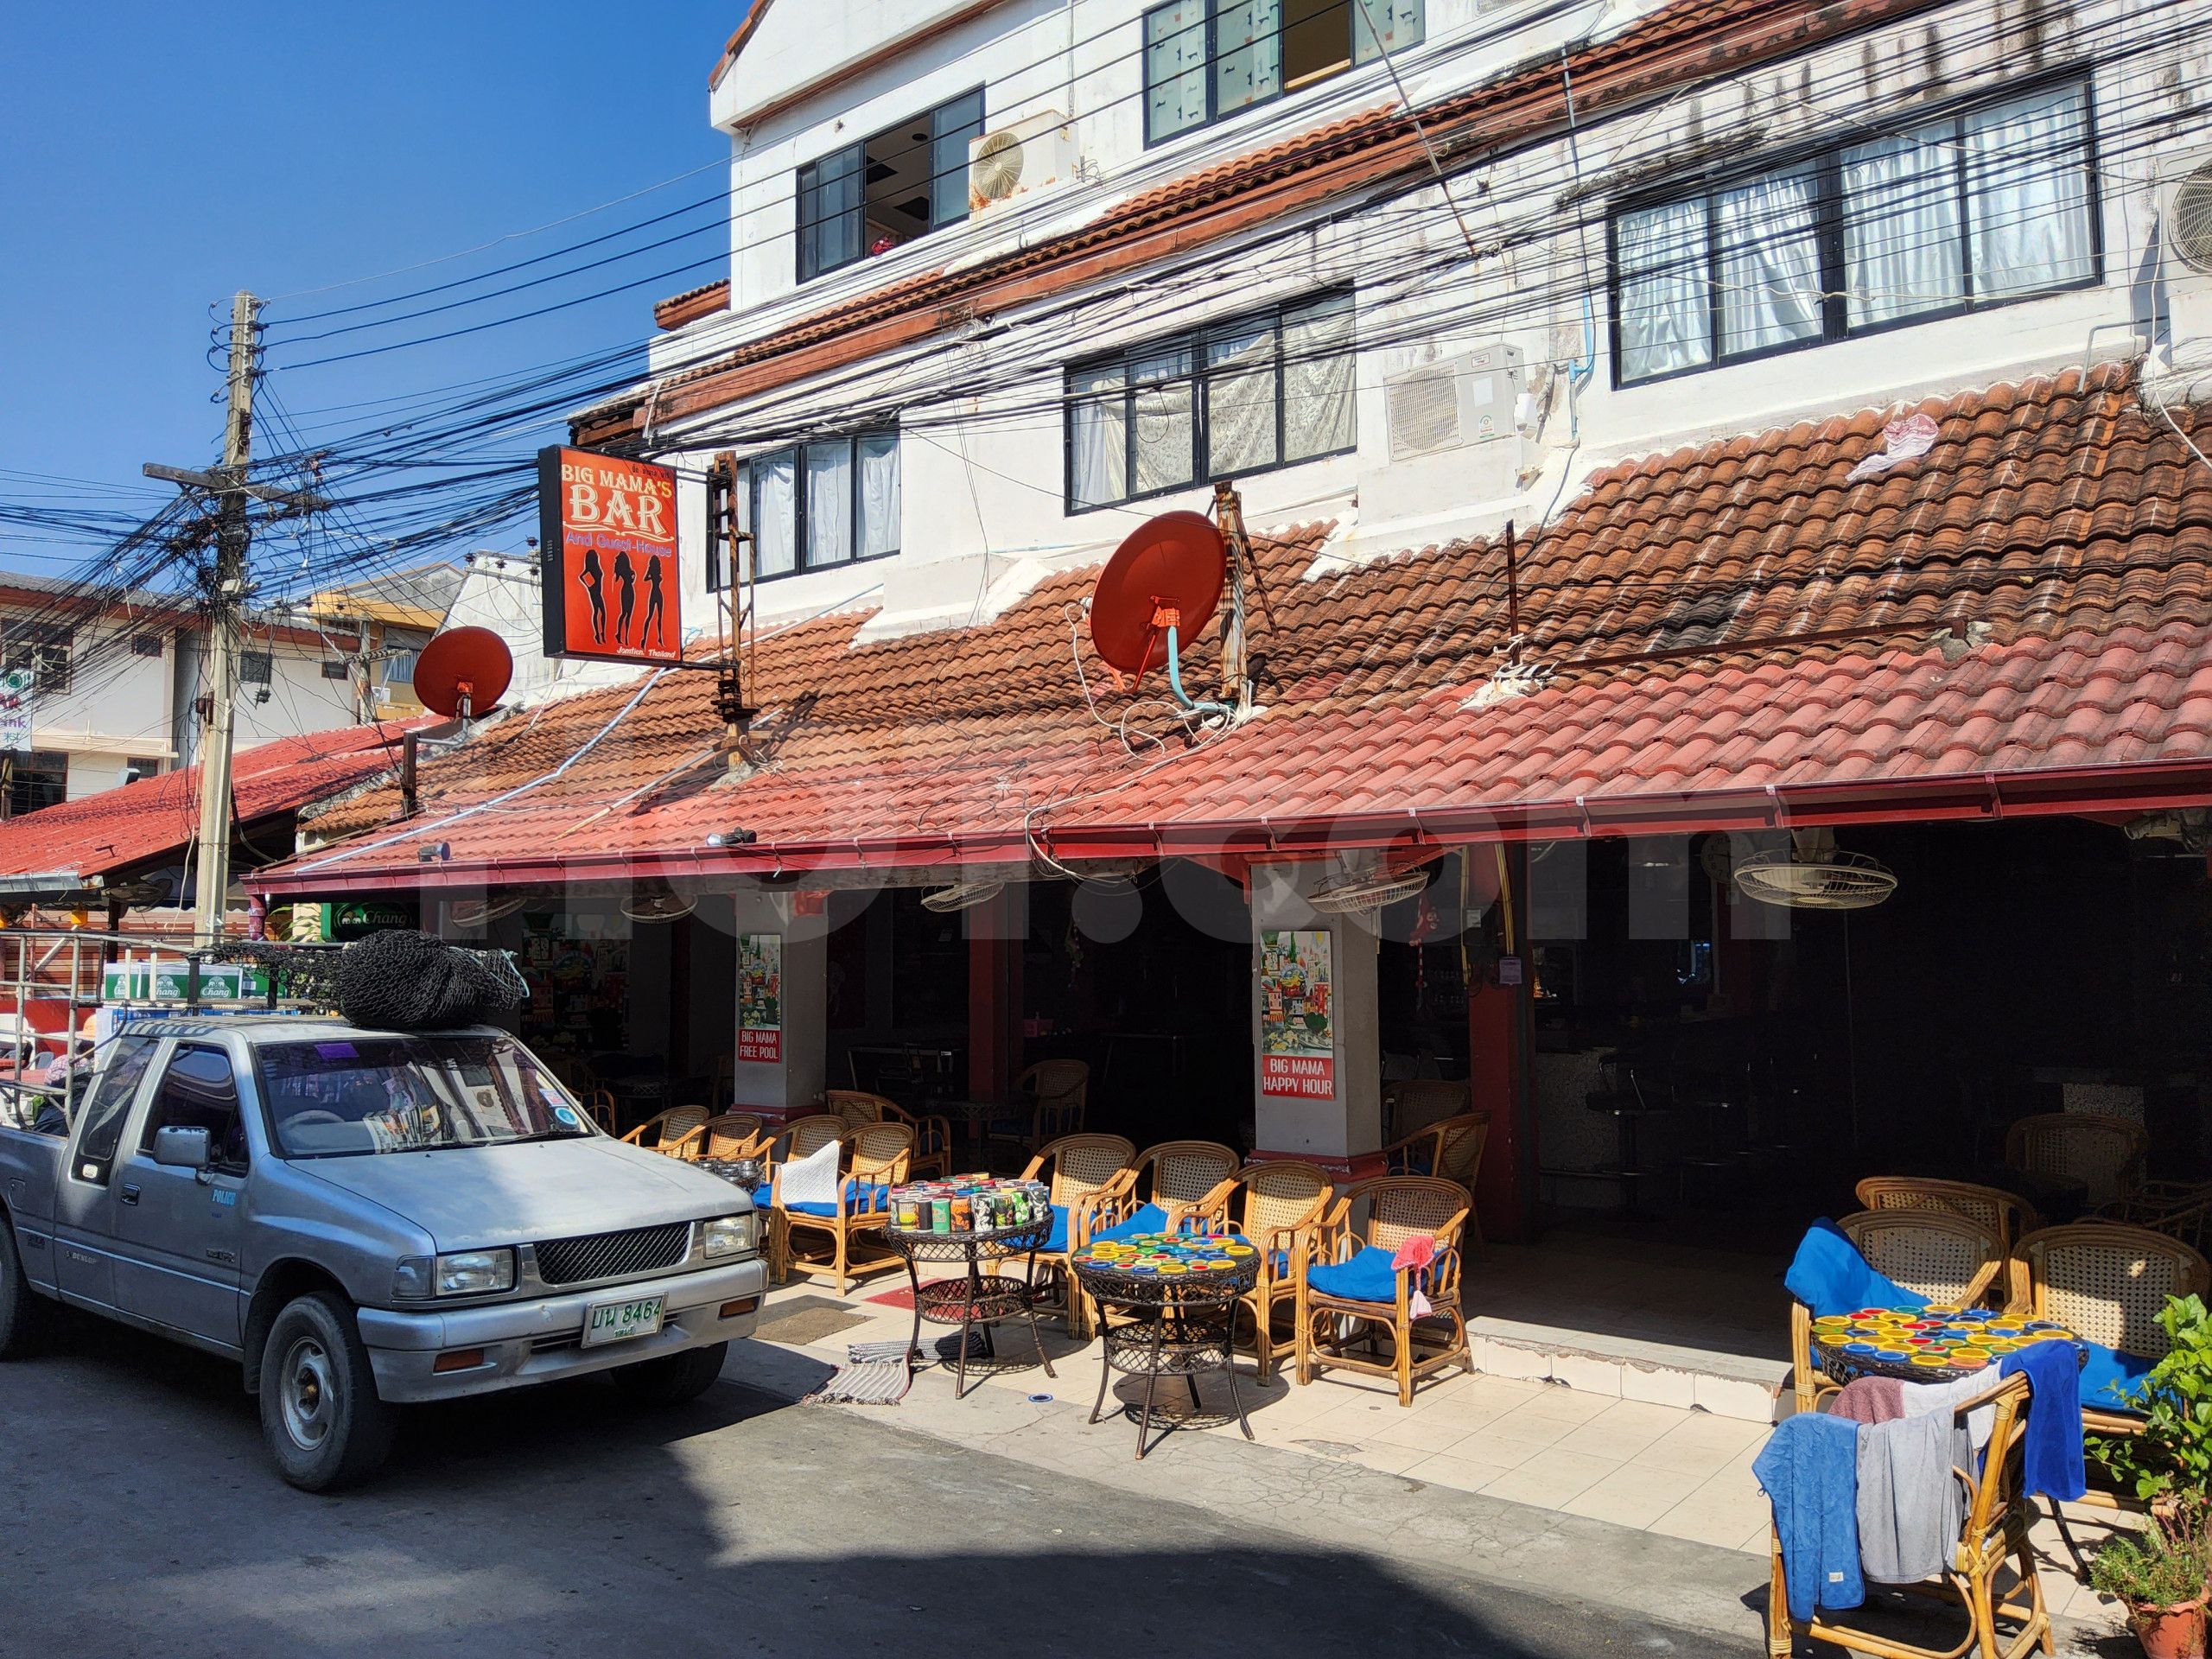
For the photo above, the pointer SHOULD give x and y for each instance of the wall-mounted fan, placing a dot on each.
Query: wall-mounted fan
(1371, 891)
(1814, 876)
(481, 912)
(132, 894)
(659, 906)
(961, 895)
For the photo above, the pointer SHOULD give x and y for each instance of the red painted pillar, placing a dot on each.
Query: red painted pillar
(1501, 1038)
(994, 997)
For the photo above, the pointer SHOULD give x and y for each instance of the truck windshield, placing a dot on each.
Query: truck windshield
(363, 1095)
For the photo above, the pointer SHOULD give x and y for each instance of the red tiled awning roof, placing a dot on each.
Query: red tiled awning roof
(2014, 622)
(151, 821)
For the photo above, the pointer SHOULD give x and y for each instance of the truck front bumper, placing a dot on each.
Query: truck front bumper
(540, 1340)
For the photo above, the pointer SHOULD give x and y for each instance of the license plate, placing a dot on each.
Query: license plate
(606, 1322)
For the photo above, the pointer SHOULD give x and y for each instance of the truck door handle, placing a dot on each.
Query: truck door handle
(129, 1194)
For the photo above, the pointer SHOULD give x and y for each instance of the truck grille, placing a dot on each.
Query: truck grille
(612, 1255)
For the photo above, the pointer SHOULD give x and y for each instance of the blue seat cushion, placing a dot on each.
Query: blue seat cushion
(1148, 1218)
(1058, 1240)
(859, 1200)
(2112, 1381)
(1368, 1277)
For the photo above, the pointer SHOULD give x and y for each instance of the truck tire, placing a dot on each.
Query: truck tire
(320, 1413)
(673, 1379)
(26, 1317)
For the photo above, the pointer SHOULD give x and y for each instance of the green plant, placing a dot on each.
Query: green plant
(2165, 1564)
(2172, 1452)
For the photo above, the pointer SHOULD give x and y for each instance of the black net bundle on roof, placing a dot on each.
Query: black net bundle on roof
(403, 980)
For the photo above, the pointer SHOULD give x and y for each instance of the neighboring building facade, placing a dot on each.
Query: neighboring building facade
(1228, 254)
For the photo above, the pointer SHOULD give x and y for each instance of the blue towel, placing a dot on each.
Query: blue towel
(1829, 1276)
(1809, 1471)
(2051, 1452)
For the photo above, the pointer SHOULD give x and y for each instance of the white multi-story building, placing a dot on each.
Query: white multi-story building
(1005, 277)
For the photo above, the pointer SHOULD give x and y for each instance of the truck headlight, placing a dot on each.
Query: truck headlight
(728, 1235)
(471, 1273)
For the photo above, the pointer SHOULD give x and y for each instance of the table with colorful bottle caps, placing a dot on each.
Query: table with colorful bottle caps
(1168, 1307)
(1925, 1346)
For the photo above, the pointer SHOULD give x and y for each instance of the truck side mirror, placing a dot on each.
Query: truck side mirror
(179, 1148)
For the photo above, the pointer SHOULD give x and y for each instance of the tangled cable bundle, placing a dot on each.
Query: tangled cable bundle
(403, 981)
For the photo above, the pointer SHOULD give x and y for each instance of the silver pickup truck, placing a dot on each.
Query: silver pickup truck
(364, 1219)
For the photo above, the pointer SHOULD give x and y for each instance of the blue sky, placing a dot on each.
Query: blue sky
(156, 157)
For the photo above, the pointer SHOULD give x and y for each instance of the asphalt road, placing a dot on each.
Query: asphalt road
(140, 1517)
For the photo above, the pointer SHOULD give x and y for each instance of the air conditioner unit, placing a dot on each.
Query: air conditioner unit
(2183, 372)
(1453, 402)
(1016, 162)
(2185, 213)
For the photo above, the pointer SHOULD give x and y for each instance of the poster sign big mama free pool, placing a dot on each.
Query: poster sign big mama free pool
(606, 549)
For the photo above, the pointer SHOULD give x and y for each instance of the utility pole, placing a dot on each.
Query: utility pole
(232, 491)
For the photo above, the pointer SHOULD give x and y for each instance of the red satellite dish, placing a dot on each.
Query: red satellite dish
(471, 663)
(1170, 571)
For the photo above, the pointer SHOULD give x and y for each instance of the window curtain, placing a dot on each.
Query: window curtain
(1664, 324)
(1248, 43)
(1241, 388)
(830, 212)
(1769, 261)
(775, 494)
(952, 126)
(1165, 439)
(828, 502)
(1380, 26)
(1318, 413)
(2028, 195)
(1098, 437)
(1901, 225)
(1174, 69)
(880, 508)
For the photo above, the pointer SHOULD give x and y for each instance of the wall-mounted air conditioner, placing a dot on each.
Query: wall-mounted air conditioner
(2185, 289)
(1470, 397)
(1015, 162)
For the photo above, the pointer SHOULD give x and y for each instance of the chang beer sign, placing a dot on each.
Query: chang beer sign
(16, 710)
(170, 981)
(356, 919)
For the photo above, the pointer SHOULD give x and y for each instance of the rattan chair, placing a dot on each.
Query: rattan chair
(2178, 1209)
(932, 1133)
(1992, 1539)
(1349, 1294)
(1056, 1093)
(2107, 1282)
(664, 1131)
(1082, 1166)
(1413, 1103)
(882, 1158)
(1937, 1254)
(1450, 1147)
(1277, 1205)
(726, 1134)
(2003, 1213)
(2104, 1154)
(1181, 1171)
(601, 1108)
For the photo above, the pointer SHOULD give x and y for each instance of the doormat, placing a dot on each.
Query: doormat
(807, 1318)
(902, 1298)
(874, 1374)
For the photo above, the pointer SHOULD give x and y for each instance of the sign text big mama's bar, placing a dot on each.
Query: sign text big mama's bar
(606, 545)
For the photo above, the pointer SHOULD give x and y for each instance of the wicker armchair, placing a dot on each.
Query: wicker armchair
(601, 1108)
(2104, 1154)
(882, 1158)
(1450, 1147)
(2003, 1213)
(1057, 1093)
(1278, 1207)
(933, 1133)
(1349, 1294)
(2107, 1282)
(1937, 1254)
(726, 1134)
(664, 1131)
(2178, 1209)
(1414, 1104)
(1993, 1539)
(1182, 1172)
(1082, 1166)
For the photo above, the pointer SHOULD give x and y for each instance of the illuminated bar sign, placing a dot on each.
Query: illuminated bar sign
(606, 545)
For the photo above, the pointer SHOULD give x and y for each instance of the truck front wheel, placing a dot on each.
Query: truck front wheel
(320, 1413)
(25, 1315)
(673, 1379)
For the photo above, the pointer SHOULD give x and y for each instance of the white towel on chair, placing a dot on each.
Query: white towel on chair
(813, 1179)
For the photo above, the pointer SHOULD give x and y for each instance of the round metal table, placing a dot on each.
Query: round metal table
(976, 1300)
(1928, 1345)
(1179, 1295)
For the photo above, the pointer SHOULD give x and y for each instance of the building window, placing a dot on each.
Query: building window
(399, 667)
(334, 668)
(36, 779)
(140, 768)
(1980, 208)
(254, 668)
(41, 648)
(871, 197)
(145, 644)
(1265, 390)
(825, 503)
(1204, 59)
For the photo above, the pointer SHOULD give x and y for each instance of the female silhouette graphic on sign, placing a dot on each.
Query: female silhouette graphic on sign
(594, 582)
(650, 631)
(626, 588)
